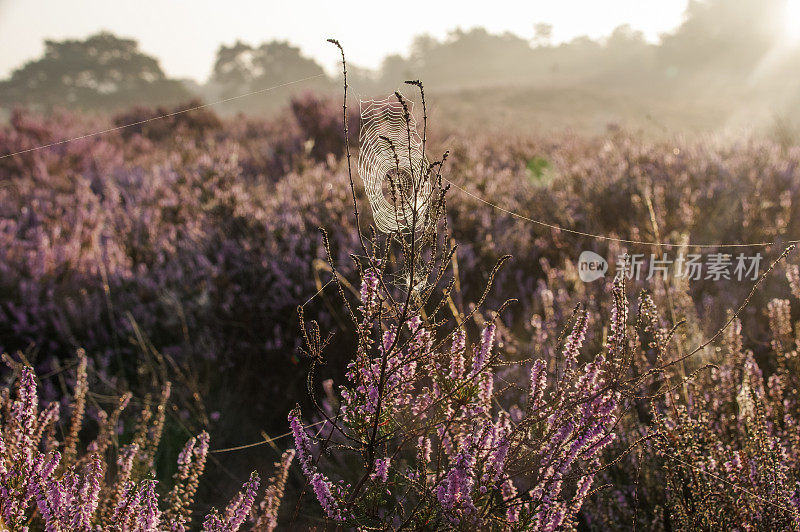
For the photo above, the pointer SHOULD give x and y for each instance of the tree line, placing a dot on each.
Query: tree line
(720, 44)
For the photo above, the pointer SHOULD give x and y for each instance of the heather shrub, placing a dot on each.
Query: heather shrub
(190, 227)
(422, 436)
(430, 431)
(121, 260)
(720, 441)
(320, 122)
(448, 435)
(50, 483)
(140, 121)
(730, 452)
(181, 249)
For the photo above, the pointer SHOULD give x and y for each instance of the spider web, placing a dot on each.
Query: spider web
(383, 127)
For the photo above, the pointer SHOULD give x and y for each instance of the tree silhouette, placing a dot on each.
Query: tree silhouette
(243, 68)
(103, 71)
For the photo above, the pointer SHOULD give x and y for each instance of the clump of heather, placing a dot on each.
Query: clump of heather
(434, 427)
(47, 484)
(729, 450)
(196, 240)
(178, 242)
(268, 508)
(444, 435)
(181, 248)
(442, 421)
(716, 443)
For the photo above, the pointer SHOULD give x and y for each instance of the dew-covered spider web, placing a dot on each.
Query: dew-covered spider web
(392, 166)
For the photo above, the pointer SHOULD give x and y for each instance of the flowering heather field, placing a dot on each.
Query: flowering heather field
(150, 279)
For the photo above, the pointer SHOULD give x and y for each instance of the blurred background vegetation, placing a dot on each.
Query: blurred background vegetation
(192, 239)
(726, 68)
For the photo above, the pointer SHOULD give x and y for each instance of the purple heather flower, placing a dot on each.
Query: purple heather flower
(239, 509)
(484, 351)
(454, 492)
(574, 341)
(323, 489)
(150, 516)
(369, 292)
(457, 354)
(381, 469)
(301, 444)
(538, 384)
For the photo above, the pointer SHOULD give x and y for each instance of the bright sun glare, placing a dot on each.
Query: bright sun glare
(792, 21)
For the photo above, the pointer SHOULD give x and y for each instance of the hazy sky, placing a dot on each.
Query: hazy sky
(185, 34)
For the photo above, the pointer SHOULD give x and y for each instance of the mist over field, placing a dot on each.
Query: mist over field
(729, 66)
(513, 283)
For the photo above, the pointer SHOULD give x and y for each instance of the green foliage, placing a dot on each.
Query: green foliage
(537, 169)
